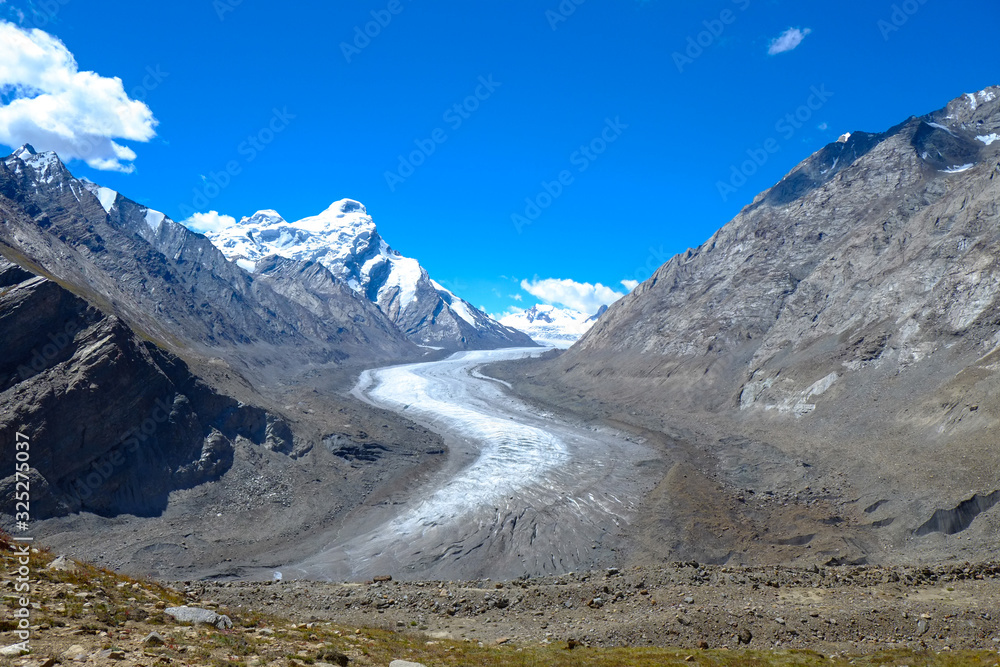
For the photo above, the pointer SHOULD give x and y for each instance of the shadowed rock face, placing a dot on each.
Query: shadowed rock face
(115, 423)
(957, 519)
(850, 317)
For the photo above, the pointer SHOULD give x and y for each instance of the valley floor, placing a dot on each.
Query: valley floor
(647, 611)
(521, 492)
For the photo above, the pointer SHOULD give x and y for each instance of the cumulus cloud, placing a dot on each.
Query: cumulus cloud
(787, 41)
(213, 221)
(630, 284)
(46, 101)
(583, 297)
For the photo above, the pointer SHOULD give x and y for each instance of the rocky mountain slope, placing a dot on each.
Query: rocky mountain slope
(841, 333)
(344, 240)
(120, 423)
(170, 283)
(549, 325)
(157, 380)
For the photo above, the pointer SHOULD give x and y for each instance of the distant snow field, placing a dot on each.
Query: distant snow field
(549, 325)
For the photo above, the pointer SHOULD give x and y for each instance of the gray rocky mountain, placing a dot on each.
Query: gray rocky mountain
(836, 342)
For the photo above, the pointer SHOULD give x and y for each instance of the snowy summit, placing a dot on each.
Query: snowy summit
(343, 239)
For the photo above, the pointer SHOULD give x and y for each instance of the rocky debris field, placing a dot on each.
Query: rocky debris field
(681, 614)
(836, 609)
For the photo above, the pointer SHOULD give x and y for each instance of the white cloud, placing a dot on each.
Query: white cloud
(213, 221)
(824, 126)
(583, 297)
(55, 107)
(516, 297)
(787, 41)
(630, 284)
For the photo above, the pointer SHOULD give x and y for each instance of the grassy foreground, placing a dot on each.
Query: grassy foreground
(92, 616)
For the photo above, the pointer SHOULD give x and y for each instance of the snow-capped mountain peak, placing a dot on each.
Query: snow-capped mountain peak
(343, 238)
(346, 213)
(265, 217)
(46, 165)
(25, 152)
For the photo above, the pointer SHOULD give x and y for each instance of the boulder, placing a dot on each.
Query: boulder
(62, 564)
(154, 639)
(196, 615)
(13, 649)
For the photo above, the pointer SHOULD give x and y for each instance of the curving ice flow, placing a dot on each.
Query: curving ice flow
(511, 453)
(521, 492)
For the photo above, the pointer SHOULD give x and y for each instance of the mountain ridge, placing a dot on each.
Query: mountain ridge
(840, 333)
(157, 378)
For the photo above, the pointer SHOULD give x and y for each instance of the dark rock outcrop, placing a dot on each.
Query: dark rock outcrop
(114, 423)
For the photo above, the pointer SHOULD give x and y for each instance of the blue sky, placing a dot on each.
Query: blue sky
(617, 99)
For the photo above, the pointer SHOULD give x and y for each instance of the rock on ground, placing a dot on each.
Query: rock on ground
(195, 615)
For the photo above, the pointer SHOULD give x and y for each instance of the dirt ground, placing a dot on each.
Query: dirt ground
(829, 610)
